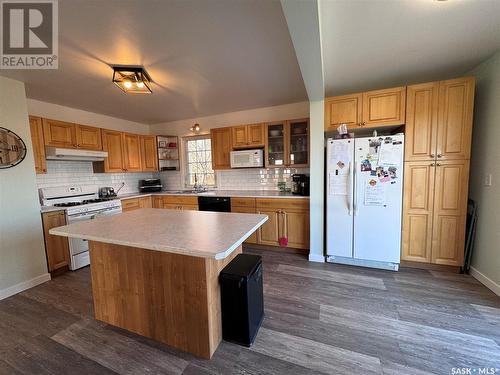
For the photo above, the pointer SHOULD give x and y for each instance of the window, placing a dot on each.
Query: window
(199, 161)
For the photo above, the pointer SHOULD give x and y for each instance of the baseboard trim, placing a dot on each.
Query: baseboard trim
(14, 289)
(485, 280)
(316, 258)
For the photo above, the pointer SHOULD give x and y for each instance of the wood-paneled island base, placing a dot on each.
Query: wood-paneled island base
(148, 280)
(171, 298)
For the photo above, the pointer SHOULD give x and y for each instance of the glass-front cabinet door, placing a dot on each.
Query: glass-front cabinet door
(276, 152)
(298, 143)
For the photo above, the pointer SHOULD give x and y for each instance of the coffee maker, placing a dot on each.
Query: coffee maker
(300, 184)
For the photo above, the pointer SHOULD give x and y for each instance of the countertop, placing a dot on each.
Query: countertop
(212, 193)
(221, 193)
(201, 234)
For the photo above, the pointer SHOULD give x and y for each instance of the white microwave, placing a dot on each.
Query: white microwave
(247, 159)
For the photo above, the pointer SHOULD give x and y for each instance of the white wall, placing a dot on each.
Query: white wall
(317, 204)
(22, 255)
(62, 113)
(266, 114)
(485, 159)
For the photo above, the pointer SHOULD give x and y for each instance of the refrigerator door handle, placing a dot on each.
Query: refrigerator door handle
(350, 195)
(355, 193)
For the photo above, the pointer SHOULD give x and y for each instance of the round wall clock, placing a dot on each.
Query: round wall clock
(12, 149)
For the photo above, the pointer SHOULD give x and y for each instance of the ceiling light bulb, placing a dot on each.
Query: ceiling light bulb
(127, 84)
(140, 84)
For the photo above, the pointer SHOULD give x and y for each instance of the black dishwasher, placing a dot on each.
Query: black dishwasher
(242, 300)
(219, 204)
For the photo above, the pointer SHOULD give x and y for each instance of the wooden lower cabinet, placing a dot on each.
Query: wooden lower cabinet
(157, 202)
(176, 202)
(418, 205)
(269, 232)
(296, 228)
(146, 202)
(245, 206)
(56, 247)
(450, 212)
(434, 212)
(288, 218)
(130, 204)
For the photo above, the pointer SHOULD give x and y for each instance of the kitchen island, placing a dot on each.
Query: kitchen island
(155, 272)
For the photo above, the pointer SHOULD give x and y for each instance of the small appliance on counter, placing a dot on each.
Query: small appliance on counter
(150, 185)
(107, 192)
(300, 184)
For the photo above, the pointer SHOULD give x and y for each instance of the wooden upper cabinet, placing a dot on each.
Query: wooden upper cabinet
(256, 135)
(421, 121)
(38, 145)
(368, 109)
(59, 133)
(88, 137)
(384, 107)
(246, 136)
(69, 135)
(149, 153)
(112, 143)
(239, 136)
(221, 148)
(345, 109)
(418, 205)
(56, 247)
(131, 152)
(450, 212)
(456, 102)
(298, 147)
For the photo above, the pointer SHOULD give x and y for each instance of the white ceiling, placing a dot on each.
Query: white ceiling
(205, 56)
(371, 44)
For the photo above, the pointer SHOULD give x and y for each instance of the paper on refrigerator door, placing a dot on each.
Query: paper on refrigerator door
(375, 192)
(389, 154)
(339, 153)
(338, 183)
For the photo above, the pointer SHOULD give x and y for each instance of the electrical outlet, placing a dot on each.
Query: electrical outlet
(487, 179)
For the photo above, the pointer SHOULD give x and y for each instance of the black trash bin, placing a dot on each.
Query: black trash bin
(242, 299)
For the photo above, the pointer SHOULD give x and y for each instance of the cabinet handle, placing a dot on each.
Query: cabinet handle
(432, 155)
(432, 164)
(440, 156)
(438, 164)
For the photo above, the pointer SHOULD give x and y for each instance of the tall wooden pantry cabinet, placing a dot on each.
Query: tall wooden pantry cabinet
(437, 152)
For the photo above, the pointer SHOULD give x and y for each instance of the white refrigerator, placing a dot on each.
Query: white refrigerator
(364, 201)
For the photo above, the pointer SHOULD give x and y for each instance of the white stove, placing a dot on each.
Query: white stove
(80, 203)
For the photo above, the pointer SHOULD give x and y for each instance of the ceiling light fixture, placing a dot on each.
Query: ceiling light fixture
(195, 128)
(132, 79)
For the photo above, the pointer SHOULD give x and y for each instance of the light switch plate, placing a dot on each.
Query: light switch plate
(487, 179)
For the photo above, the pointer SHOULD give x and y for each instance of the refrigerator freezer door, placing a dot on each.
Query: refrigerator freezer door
(378, 199)
(340, 186)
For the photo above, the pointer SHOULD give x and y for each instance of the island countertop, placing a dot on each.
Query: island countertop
(200, 234)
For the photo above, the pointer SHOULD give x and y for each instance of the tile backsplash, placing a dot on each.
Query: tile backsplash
(64, 173)
(239, 179)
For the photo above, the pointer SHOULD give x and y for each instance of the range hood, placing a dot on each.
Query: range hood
(56, 153)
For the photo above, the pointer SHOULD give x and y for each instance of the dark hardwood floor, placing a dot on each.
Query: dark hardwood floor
(320, 319)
